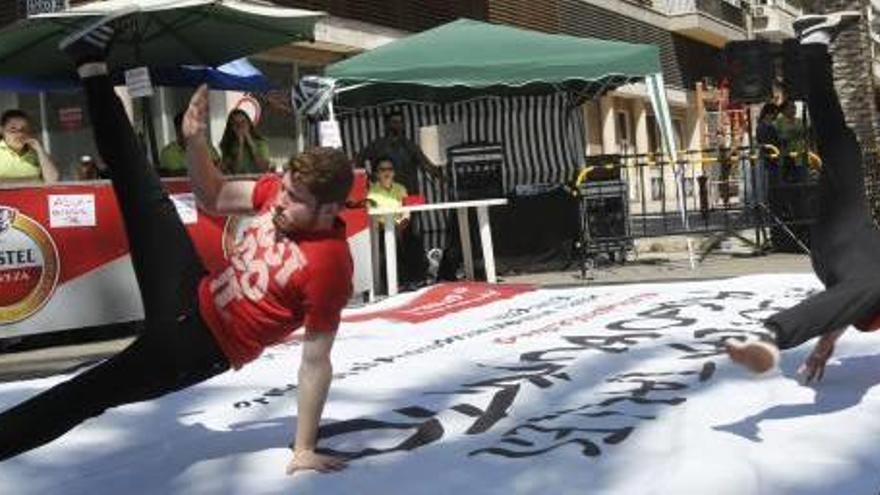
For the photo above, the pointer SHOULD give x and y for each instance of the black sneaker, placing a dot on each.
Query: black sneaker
(92, 43)
(833, 23)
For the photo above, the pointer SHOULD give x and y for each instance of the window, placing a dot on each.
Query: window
(657, 188)
(655, 143)
(653, 135)
(624, 137)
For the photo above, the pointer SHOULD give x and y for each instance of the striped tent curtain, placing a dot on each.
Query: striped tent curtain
(542, 138)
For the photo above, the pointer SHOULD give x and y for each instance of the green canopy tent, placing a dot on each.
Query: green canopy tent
(467, 59)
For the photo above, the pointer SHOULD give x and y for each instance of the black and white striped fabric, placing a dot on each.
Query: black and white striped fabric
(542, 138)
(312, 94)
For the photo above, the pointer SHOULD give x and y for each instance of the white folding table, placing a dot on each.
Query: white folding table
(388, 214)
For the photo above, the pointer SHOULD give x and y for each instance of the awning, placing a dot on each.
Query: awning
(467, 59)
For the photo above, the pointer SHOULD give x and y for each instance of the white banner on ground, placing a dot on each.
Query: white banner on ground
(481, 389)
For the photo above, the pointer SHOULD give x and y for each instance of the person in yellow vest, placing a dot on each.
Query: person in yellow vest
(22, 157)
(172, 158)
(385, 192)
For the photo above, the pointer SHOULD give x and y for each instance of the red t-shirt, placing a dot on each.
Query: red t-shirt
(272, 287)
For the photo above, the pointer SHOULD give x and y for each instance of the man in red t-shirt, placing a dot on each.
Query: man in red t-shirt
(291, 269)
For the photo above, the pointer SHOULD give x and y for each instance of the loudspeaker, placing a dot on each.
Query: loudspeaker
(750, 70)
(793, 75)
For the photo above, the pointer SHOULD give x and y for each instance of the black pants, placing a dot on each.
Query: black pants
(176, 349)
(845, 245)
(411, 260)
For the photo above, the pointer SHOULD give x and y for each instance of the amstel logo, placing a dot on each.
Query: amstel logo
(28, 266)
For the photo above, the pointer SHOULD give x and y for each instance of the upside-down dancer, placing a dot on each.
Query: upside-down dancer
(845, 244)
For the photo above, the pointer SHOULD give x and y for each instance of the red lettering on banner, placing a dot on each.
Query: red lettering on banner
(445, 299)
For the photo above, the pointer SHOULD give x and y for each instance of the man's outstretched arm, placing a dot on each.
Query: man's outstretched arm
(315, 375)
(212, 190)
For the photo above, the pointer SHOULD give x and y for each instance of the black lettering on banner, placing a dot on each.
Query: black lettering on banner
(669, 314)
(606, 343)
(633, 397)
(521, 441)
(588, 448)
(539, 375)
(518, 316)
(710, 342)
(768, 307)
(264, 400)
(496, 411)
(415, 412)
(423, 433)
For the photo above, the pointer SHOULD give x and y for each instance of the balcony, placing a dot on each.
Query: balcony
(710, 21)
(772, 19)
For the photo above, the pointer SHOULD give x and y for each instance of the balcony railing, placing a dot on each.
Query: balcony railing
(721, 10)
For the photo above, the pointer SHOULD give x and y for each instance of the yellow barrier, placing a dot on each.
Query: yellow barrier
(815, 161)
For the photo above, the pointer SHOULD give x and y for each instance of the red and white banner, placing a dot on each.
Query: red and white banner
(64, 260)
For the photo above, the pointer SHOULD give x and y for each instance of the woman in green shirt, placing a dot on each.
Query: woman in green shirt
(243, 149)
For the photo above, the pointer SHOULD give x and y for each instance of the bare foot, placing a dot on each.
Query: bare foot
(756, 356)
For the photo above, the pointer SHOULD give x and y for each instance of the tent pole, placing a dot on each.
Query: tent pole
(657, 92)
(167, 136)
(298, 120)
(44, 123)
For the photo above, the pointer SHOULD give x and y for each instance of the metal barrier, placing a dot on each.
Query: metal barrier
(725, 191)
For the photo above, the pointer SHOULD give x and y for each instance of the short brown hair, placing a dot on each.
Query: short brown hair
(326, 172)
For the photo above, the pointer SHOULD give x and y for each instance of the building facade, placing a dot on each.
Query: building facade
(689, 33)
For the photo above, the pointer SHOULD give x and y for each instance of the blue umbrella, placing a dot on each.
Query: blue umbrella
(238, 75)
(35, 85)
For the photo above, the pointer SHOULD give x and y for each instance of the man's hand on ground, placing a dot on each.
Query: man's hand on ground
(309, 460)
(814, 366)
